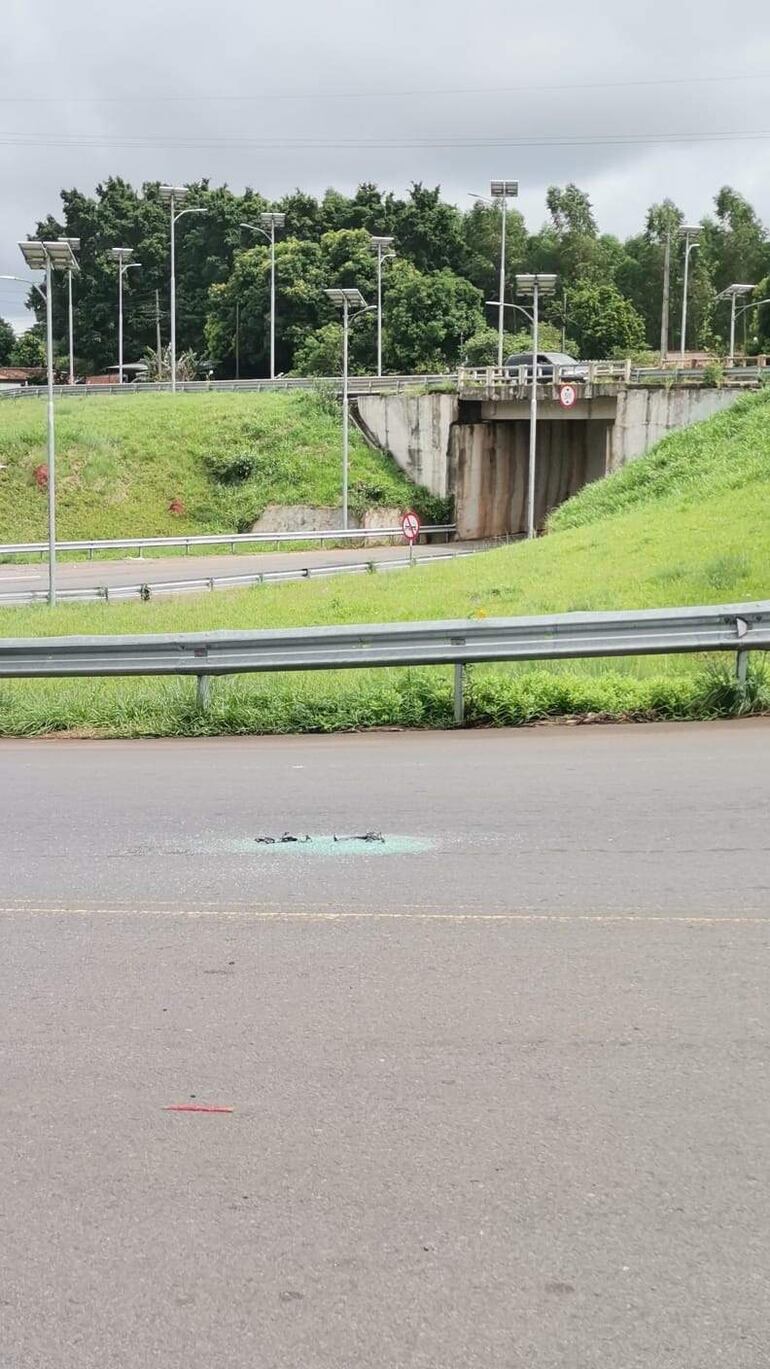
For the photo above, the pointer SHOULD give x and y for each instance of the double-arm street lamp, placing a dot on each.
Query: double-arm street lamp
(534, 285)
(690, 233)
(173, 196)
(269, 221)
(383, 247)
(122, 255)
(48, 257)
(733, 293)
(347, 300)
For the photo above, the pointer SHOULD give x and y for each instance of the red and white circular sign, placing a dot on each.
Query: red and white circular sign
(567, 396)
(410, 526)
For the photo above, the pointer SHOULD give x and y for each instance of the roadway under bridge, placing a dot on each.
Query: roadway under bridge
(474, 444)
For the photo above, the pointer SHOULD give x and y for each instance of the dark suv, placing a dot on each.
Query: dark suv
(547, 362)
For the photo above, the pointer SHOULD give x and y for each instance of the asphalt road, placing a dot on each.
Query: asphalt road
(22, 579)
(499, 1082)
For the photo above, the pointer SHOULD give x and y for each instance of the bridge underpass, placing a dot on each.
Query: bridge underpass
(489, 464)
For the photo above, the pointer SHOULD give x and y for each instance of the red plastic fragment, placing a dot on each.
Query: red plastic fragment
(193, 1107)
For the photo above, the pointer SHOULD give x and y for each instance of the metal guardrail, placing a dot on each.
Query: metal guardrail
(738, 628)
(158, 588)
(232, 540)
(357, 385)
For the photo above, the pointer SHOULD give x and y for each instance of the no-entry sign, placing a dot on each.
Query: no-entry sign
(567, 396)
(410, 526)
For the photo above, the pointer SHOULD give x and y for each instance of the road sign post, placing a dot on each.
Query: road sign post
(410, 526)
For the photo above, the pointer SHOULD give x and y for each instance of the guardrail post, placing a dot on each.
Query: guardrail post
(459, 693)
(202, 691)
(742, 668)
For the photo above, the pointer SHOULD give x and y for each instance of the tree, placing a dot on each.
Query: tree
(603, 323)
(28, 350)
(428, 319)
(7, 341)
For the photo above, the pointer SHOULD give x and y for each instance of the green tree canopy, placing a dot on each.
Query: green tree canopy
(603, 323)
(28, 350)
(7, 341)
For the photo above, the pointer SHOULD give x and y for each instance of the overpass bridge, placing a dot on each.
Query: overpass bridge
(473, 443)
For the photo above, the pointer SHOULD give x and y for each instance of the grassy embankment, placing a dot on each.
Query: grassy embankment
(218, 459)
(688, 524)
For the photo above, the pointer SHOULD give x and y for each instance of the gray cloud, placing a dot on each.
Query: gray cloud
(424, 91)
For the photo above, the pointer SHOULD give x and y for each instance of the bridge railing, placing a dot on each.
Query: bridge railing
(496, 382)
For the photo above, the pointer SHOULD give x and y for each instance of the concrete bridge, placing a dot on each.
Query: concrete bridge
(474, 444)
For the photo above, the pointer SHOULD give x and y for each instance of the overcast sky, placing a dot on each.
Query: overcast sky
(631, 102)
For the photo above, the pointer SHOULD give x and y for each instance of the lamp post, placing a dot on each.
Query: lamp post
(173, 195)
(74, 243)
(690, 243)
(48, 257)
(122, 255)
(501, 192)
(534, 285)
(347, 299)
(732, 292)
(383, 247)
(270, 221)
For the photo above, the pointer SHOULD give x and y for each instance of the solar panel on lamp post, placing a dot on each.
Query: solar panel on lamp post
(690, 231)
(122, 255)
(502, 191)
(536, 284)
(173, 195)
(50, 257)
(346, 299)
(732, 292)
(383, 247)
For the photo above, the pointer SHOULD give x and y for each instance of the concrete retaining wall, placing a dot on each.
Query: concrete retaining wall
(415, 430)
(643, 417)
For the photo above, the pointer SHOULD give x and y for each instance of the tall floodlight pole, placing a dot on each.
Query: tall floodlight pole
(122, 255)
(269, 221)
(383, 247)
(690, 231)
(666, 298)
(732, 293)
(501, 192)
(74, 243)
(174, 195)
(534, 285)
(347, 299)
(49, 257)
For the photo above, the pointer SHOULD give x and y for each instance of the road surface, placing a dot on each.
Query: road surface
(499, 1082)
(24, 579)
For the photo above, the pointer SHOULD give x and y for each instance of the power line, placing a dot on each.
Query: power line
(374, 144)
(315, 95)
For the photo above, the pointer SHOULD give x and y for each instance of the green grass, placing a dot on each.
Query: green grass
(705, 539)
(123, 460)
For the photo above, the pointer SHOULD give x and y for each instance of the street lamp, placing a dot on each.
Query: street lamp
(346, 299)
(383, 247)
(690, 230)
(122, 255)
(75, 245)
(732, 293)
(269, 221)
(48, 257)
(501, 192)
(534, 285)
(174, 195)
